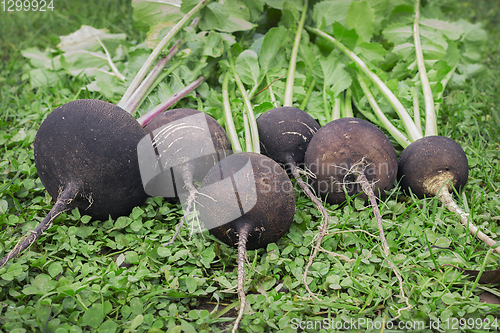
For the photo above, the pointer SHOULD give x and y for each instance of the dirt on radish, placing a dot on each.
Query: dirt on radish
(342, 150)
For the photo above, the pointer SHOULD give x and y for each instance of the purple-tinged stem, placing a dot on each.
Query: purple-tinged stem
(133, 102)
(145, 119)
(156, 52)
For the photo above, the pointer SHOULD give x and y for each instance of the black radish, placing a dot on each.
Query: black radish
(186, 143)
(432, 165)
(350, 156)
(435, 166)
(247, 202)
(86, 151)
(285, 133)
(86, 157)
(345, 151)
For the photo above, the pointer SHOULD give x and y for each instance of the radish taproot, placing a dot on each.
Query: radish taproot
(420, 179)
(345, 150)
(86, 151)
(350, 156)
(445, 168)
(189, 140)
(251, 192)
(284, 134)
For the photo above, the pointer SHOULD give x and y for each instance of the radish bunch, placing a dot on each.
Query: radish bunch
(430, 165)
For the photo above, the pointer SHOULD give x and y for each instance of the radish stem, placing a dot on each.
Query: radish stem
(248, 116)
(337, 105)
(326, 105)
(133, 102)
(308, 95)
(110, 61)
(154, 77)
(160, 78)
(152, 57)
(348, 104)
(396, 134)
(416, 111)
(410, 126)
(228, 116)
(288, 100)
(145, 119)
(430, 115)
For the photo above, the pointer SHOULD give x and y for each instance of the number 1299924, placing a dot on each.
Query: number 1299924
(27, 5)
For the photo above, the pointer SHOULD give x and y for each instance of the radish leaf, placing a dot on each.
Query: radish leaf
(226, 17)
(247, 67)
(361, 18)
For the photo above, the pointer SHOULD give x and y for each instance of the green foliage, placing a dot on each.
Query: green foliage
(116, 275)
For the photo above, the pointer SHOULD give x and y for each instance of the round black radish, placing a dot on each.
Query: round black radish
(91, 145)
(343, 150)
(433, 166)
(86, 157)
(247, 202)
(430, 163)
(285, 133)
(187, 143)
(247, 191)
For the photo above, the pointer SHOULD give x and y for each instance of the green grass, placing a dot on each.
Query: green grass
(115, 275)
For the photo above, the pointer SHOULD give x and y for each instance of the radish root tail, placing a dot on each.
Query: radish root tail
(447, 199)
(367, 188)
(323, 229)
(190, 203)
(62, 204)
(358, 170)
(242, 250)
(365, 184)
(187, 177)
